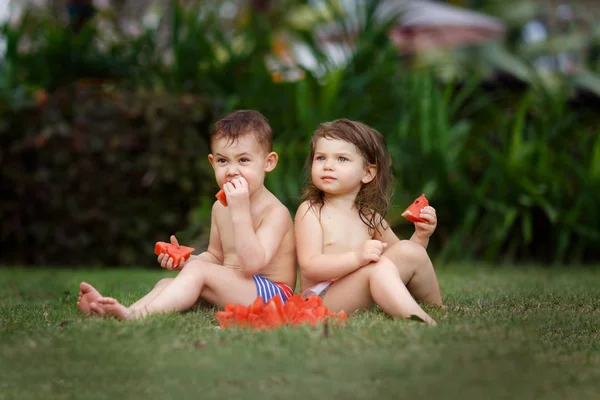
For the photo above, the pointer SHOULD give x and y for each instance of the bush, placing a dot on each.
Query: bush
(95, 176)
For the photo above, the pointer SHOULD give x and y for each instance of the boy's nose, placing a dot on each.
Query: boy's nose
(232, 171)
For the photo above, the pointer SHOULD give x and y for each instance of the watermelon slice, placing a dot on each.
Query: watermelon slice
(176, 252)
(222, 198)
(414, 210)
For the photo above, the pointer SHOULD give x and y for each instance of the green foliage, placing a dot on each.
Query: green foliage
(513, 173)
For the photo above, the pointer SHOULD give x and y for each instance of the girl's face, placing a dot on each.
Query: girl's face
(339, 168)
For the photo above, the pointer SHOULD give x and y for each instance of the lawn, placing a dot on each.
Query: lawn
(513, 333)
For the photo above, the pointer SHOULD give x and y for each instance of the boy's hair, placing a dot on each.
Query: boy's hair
(373, 199)
(241, 122)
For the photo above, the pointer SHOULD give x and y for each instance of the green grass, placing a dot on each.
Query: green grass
(507, 333)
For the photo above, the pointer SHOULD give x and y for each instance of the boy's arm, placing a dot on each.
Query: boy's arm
(214, 252)
(315, 265)
(255, 249)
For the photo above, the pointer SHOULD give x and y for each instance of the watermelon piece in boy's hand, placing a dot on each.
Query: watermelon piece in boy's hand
(414, 210)
(177, 253)
(222, 198)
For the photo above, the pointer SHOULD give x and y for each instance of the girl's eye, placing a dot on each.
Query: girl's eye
(319, 158)
(342, 159)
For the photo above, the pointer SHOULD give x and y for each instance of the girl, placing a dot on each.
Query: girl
(347, 252)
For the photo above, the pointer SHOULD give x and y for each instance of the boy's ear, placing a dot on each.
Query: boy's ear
(370, 173)
(271, 161)
(211, 160)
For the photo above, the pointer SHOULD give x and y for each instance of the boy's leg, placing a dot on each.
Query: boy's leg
(416, 271)
(378, 282)
(87, 294)
(198, 279)
(158, 288)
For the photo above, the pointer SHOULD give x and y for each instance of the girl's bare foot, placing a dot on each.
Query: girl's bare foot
(107, 306)
(87, 294)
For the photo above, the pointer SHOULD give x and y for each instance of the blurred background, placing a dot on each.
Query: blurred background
(489, 107)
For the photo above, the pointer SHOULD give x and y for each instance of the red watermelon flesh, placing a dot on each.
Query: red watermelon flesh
(274, 313)
(222, 198)
(176, 252)
(414, 210)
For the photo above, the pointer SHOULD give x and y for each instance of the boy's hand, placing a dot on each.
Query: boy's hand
(237, 193)
(370, 252)
(424, 230)
(167, 262)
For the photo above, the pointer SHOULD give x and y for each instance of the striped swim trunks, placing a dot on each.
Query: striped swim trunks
(267, 289)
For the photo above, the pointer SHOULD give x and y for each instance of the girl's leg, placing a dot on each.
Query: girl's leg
(198, 279)
(378, 282)
(416, 271)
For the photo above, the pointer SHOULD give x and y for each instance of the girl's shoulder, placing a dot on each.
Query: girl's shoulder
(310, 209)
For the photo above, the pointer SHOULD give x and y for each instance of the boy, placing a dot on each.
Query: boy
(251, 250)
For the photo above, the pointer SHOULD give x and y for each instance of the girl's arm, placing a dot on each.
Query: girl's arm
(388, 236)
(422, 241)
(315, 265)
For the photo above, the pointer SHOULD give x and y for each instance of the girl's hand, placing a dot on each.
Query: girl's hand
(370, 252)
(237, 193)
(167, 262)
(425, 229)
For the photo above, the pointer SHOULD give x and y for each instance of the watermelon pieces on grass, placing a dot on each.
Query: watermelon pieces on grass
(274, 313)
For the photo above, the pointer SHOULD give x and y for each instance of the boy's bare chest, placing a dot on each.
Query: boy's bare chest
(343, 231)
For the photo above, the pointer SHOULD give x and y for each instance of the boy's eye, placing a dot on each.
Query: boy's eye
(221, 160)
(244, 159)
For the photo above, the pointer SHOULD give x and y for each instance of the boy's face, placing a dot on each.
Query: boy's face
(338, 167)
(245, 157)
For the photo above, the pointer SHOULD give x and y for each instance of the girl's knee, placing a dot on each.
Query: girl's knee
(385, 263)
(408, 250)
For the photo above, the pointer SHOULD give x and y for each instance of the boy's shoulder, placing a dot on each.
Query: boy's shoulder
(271, 205)
(274, 205)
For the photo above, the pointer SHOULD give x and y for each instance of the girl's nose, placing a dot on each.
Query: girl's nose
(328, 164)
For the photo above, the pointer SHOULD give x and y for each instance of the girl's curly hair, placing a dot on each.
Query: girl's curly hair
(373, 199)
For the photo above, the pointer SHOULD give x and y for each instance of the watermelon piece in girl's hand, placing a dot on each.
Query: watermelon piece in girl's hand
(414, 210)
(222, 198)
(177, 253)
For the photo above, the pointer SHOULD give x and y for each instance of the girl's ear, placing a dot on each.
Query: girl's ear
(370, 173)
(271, 161)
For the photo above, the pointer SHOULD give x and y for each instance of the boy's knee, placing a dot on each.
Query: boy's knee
(163, 282)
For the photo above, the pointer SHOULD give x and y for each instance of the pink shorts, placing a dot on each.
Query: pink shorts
(318, 290)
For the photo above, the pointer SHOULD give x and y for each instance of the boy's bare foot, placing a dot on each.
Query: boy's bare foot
(107, 306)
(87, 294)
